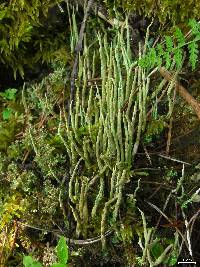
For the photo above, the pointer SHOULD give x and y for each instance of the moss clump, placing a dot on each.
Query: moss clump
(31, 32)
(176, 11)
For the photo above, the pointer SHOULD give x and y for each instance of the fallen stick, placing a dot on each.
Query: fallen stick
(182, 91)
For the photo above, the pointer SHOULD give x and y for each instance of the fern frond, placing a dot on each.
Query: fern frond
(178, 56)
(152, 56)
(169, 43)
(160, 53)
(193, 50)
(143, 62)
(160, 50)
(168, 50)
(195, 27)
(179, 36)
(167, 58)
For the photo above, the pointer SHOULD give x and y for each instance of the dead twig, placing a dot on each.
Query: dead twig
(169, 220)
(182, 91)
(173, 159)
(69, 240)
(169, 136)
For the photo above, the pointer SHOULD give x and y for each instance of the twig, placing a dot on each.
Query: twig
(190, 229)
(169, 136)
(182, 91)
(147, 154)
(71, 241)
(173, 159)
(100, 9)
(187, 233)
(170, 221)
(174, 191)
(155, 192)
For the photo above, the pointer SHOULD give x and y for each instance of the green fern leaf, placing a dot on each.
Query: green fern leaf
(167, 60)
(193, 50)
(178, 56)
(143, 62)
(152, 57)
(169, 43)
(159, 61)
(195, 27)
(160, 50)
(160, 53)
(180, 37)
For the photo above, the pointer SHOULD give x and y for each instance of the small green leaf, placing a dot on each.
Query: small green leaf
(9, 94)
(168, 60)
(195, 27)
(152, 56)
(185, 203)
(159, 61)
(156, 250)
(62, 250)
(180, 37)
(172, 260)
(169, 43)
(178, 57)
(36, 264)
(193, 50)
(28, 261)
(58, 265)
(7, 113)
(160, 53)
(143, 62)
(160, 50)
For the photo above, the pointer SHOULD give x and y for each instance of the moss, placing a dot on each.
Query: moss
(176, 11)
(25, 39)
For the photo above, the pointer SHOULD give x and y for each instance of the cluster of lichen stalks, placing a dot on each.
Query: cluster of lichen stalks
(101, 132)
(104, 129)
